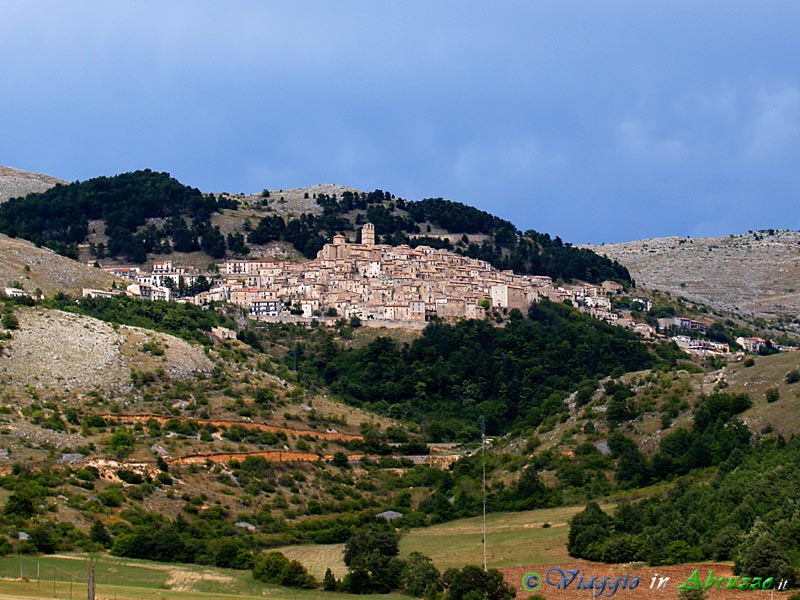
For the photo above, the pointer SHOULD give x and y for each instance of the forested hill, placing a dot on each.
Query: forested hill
(493, 239)
(514, 376)
(59, 218)
(146, 214)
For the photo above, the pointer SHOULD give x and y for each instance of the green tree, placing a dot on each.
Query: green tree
(329, 581)
(472, 582)
(268, 567)
(588, 528)
(19, 505)
(231, 553)
(99, 534)
(371, 557)
(213, 242)
(340, 459)
(764, 558)
(419, 574)
(122, 442)
(295, 575)
(531, 493)
(43, 538)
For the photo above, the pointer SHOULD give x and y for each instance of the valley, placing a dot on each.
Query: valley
(202, 433)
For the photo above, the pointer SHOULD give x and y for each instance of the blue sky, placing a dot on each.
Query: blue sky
(595, 121)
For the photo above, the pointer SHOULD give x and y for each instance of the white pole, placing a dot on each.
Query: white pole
(483, 457)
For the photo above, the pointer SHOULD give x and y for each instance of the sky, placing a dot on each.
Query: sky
(598, 122)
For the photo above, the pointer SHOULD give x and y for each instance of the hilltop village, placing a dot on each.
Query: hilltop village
(376, 283)
(389, 286)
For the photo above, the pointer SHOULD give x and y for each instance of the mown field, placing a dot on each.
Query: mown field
(514, 539)
(125, 579)
(517, 543)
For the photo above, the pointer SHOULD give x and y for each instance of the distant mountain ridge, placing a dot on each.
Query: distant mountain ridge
(756, 272)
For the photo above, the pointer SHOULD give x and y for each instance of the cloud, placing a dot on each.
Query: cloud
(638, 140)
(584, 121)
(777, 121)
(506, 160)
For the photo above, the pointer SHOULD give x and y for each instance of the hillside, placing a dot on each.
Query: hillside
(54, 352)
(754, 273)
(21, 262)
(781, 415)
(125, 425)
(15, 182)
(139, 216)
(99, 418)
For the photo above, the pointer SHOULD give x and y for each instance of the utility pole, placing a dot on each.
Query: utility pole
(483, 460)
(90, 583)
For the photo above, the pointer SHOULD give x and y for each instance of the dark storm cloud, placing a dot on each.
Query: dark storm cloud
(592, 121)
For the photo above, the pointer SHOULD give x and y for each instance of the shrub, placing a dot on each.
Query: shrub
(10, 321)
(129, 476)
(692, 594)
(793, 376)
(268, 567)
(474, 582)
(773, 395)
(274, 567)
(121, 442)
(111, 497)
(419, 574)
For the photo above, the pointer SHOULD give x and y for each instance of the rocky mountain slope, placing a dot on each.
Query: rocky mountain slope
(61, 352)
(757, 272)
(24, 264)
(15, 182)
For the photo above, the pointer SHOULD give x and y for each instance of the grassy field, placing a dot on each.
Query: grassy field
(125, 579)
(514, 539)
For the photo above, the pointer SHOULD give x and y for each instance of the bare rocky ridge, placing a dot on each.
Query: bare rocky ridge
(756, 273)
(64, 352)
(24, 263)
(292, 203)
(15, 182)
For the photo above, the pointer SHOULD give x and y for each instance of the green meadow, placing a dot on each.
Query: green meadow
(513, 539)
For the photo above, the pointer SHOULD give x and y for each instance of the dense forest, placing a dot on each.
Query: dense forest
(518, 375)
(747, 513)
